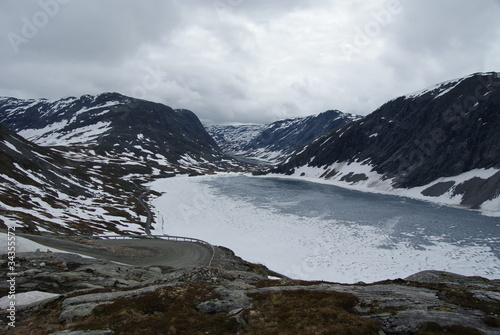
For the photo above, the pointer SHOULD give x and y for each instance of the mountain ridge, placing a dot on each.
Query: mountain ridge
(89, 155)
(416, 140)
(113, 126)
(274, 142)
(43, 191)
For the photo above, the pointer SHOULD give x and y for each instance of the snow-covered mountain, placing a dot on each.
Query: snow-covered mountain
(76, 164)
(110, 126)
(274, 142)
(42, 191)
(232, 138)
(442, 144)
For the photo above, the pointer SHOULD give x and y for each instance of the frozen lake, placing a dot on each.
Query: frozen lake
(315, 231)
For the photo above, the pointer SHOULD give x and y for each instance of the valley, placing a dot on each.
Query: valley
(79, 165)
(408, 191)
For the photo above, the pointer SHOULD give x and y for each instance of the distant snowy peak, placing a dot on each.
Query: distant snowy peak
(231, 138)
(274, 142)
(434, 138)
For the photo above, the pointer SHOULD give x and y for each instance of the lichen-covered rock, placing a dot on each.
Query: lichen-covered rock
(227, 299)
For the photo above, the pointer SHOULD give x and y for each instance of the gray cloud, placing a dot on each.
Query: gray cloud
(241, 60)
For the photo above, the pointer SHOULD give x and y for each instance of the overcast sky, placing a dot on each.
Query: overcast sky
(245, 61)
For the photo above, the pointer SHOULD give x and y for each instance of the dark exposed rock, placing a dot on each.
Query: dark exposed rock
(129, 123)
(416, 139)
(225, 295)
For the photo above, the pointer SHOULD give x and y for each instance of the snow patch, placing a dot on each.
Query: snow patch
(12, 147)
(54, 134)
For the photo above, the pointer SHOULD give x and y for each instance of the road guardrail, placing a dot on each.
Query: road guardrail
(125, 237)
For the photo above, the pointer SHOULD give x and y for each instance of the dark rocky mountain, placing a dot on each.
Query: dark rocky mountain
(444, 140)
(274, 142)
(441, 142)
(75, 165)
(43, 191)
(113, 126)
(25, 163)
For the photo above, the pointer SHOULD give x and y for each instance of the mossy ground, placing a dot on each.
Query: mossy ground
(306, 312)
(172, 310)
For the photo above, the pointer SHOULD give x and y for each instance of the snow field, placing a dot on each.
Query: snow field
(375, 183)
(305, 248)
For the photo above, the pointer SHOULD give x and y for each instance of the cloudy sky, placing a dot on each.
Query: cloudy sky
(245, 61)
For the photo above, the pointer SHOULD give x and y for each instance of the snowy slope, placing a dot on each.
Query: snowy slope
(62, 122)
(441, 144)
(41, 191)
(231, 138)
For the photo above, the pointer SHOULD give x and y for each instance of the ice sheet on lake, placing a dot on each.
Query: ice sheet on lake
(307, 247)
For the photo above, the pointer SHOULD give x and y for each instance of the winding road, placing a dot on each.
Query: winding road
(168, 253)
(139, 252)
(181, 253)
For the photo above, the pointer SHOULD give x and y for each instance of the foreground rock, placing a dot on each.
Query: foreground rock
(237, 297)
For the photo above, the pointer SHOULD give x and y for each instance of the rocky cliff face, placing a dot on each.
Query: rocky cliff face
(424, 139)
(69, 293)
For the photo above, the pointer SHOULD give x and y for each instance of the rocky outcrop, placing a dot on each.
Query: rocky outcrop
(236, 297)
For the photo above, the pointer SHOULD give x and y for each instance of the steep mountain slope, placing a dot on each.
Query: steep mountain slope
(91, 155)
(149, 135)
(274, 142)
(442, 142)
(40, 190)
